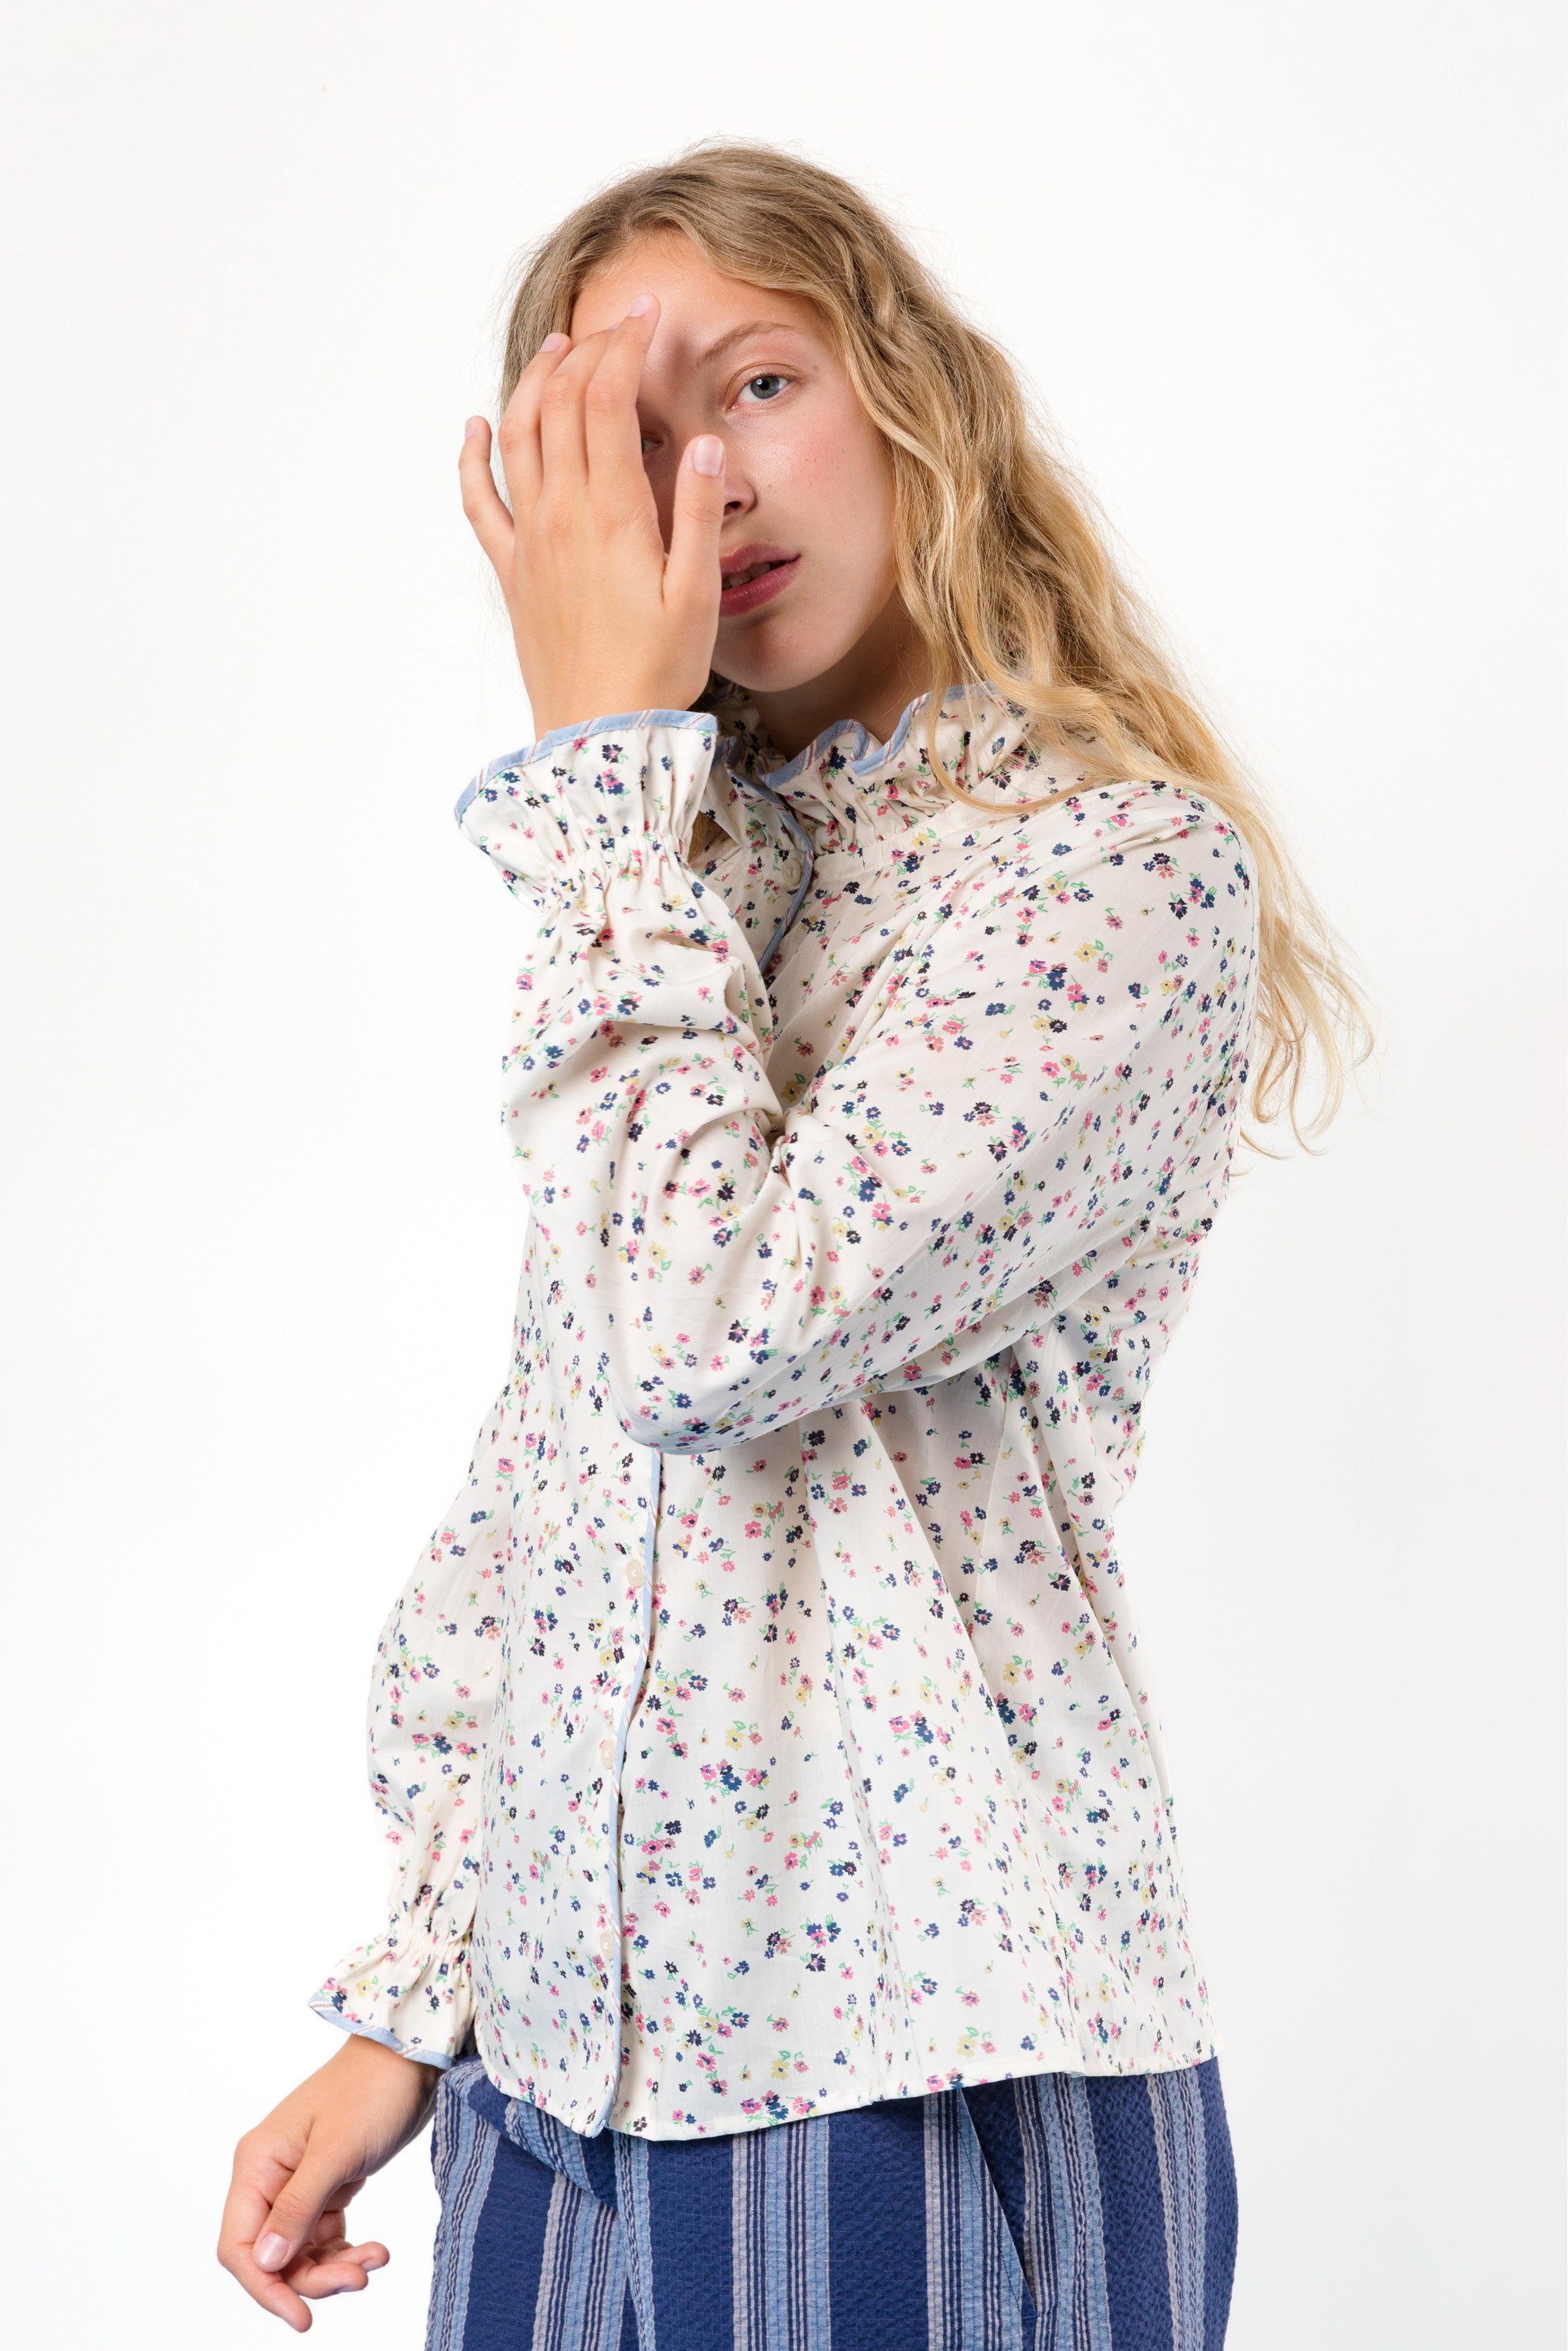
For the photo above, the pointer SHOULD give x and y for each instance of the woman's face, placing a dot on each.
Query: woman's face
(807, 548)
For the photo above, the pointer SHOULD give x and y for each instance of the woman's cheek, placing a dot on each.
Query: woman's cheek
(828, 476)
(861, 499)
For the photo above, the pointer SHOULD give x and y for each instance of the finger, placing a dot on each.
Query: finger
(320, 2178)
(563, 447)
(518, 434)
(370, 2255)
(328, 2247)
(330, 2265)
(258, 2178)
(274, 2293)
(482, 502)
(317, 2279)
(610, 407)
(692, 574)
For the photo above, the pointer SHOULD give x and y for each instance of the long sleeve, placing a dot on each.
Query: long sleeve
(1042, 1060)
(432, 1694)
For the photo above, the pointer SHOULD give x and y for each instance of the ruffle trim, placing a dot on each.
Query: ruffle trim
(412, 1991)
(600, 805)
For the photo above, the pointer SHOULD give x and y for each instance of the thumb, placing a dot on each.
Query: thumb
(318, 2182)
(691, 573)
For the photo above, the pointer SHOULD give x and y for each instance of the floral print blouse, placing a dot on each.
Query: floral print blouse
(763, 1730)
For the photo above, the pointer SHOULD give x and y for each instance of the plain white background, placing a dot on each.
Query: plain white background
(1288, 280)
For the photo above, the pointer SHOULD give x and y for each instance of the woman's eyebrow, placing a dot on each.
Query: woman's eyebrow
(739, 335)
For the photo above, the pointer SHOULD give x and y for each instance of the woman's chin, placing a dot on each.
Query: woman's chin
(756, 668)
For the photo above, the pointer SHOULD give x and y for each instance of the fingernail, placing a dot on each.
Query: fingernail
(555, 343)
(641, 306)
(470, 429)
(707, 455)
(271, 2252)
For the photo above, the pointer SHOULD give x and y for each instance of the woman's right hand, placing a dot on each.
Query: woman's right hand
(283, 2235)
(603, 618)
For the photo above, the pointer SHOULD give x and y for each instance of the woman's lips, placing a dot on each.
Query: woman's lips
(762, 588)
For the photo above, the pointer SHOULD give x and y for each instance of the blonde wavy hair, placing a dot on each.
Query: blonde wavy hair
(1000, 561)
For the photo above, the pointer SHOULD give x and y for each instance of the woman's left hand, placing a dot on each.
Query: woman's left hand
(604, 620)
(284, 2234)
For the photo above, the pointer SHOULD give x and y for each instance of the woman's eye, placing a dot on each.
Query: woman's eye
(764, 387)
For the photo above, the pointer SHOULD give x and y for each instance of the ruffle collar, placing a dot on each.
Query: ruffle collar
(846, 773)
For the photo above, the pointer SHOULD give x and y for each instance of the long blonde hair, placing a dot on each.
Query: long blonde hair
(1000, 563)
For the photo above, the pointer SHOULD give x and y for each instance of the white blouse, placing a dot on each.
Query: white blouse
(764, 1730)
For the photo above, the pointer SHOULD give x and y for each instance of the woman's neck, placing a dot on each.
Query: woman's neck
(874, 685)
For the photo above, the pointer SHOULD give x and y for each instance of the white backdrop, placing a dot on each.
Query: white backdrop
(1287, 278)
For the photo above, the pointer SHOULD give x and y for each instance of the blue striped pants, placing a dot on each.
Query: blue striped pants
(1055, 2213)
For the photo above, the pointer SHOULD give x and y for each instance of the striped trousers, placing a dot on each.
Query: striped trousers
(1055, 2213)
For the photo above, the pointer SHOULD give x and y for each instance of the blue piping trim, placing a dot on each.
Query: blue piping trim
(387, 2040)
(823, 742)
(560, 735)
(808, 860)
(900, 736)
(868, 752)
(901, 732)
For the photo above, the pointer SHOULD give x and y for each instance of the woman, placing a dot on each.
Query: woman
(788, 1928)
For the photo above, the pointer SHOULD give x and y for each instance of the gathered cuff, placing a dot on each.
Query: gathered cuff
(410, 1988)
(588, 803)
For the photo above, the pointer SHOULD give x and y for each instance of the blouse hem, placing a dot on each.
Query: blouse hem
(1198, 2052)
